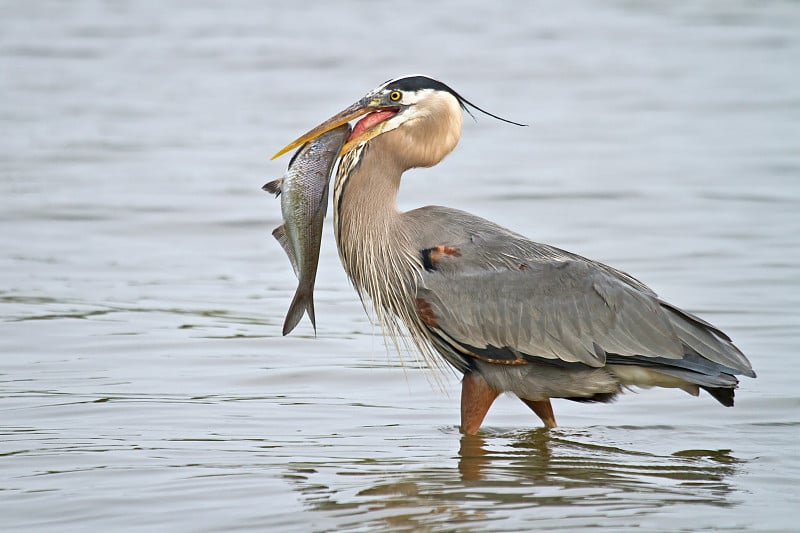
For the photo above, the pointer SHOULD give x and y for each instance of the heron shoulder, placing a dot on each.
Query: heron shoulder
(433, 226)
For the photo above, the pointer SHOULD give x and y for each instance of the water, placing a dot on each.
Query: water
(144, 384)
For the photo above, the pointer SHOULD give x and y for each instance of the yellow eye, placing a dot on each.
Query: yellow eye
(395, 96)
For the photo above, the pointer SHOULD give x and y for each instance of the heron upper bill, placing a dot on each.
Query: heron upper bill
(362, 107)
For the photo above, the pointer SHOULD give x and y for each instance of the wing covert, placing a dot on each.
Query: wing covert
(488, 299)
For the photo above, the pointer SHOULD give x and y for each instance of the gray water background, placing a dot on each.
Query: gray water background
(144, 383)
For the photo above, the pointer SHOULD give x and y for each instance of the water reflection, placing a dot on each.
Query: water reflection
(493, 474)
(555, 459)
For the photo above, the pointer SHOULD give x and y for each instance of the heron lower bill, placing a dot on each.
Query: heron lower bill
(371, 127)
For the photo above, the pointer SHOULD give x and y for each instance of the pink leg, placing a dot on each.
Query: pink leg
(476, 398)
(543, 410)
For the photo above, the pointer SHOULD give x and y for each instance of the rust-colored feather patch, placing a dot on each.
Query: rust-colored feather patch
(432, 256)
(425, 312)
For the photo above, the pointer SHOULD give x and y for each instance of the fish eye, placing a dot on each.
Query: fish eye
(395, 96)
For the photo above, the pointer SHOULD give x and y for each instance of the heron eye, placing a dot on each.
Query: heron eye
(395, 96)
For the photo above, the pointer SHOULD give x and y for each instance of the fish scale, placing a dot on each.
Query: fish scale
(303, 191)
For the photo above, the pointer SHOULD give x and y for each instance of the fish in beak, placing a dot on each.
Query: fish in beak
(367, 128)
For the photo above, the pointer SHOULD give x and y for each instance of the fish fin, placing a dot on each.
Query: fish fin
(303, 301)
(280, 235)
(274, 186)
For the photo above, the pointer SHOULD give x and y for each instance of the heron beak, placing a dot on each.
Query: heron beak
(369, 127)
(362, 107)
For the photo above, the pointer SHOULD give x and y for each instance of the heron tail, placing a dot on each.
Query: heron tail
(723, 395)
(303, 301)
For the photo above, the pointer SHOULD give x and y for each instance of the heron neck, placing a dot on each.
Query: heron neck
(373, 242)
(371, 183)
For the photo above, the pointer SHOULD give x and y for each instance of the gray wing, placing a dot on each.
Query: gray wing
(502, 298)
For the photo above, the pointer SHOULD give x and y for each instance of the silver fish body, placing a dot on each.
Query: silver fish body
(304, 201)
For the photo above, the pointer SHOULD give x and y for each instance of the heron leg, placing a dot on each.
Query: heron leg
(476, 398)
(543, 410)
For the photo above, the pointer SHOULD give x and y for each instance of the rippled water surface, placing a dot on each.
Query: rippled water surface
(144, 383)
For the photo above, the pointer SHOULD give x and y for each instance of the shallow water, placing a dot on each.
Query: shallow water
(144, 383)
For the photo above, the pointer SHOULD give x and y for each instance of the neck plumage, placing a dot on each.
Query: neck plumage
(375, 239)
(372, 241)
(374, 245)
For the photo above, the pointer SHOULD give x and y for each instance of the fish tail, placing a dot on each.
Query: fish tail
(303, 301)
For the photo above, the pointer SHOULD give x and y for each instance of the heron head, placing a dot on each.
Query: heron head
(427, 111)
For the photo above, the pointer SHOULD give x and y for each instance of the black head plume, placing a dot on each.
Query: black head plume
(416, 83)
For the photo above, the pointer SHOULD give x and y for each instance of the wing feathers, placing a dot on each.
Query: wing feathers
(503, 307)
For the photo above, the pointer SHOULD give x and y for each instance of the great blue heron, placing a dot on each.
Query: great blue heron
(511, 314)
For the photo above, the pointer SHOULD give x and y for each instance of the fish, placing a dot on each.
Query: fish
(303, 191)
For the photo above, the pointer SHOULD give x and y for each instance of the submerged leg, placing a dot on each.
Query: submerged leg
(476, 398)
(543, 410)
